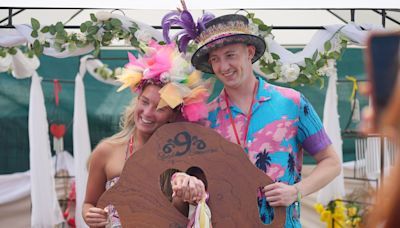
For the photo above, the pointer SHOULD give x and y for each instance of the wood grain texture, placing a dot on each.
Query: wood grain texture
(232, 180)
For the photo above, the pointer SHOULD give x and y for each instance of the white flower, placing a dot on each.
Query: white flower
(81, 37)
(328, 69)
(290, 72)
(143, 35)
(103, 15)
(41, 37)
(336, 46)
(253, 28)
(165, 77)
(268, 57)
(180, 69)
(5, 62)
(118, 70)
(271, 76)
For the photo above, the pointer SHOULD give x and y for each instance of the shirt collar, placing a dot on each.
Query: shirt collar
(263, 94)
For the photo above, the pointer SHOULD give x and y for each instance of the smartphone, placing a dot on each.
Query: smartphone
(382, 62)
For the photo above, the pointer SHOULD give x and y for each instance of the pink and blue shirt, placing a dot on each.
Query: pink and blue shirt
(282, 124)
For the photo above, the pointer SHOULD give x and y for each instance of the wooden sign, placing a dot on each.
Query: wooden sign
(232, 180)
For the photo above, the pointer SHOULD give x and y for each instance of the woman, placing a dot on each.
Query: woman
(152, 77)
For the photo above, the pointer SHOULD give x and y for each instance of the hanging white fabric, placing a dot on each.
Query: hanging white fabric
(335, 189)
(81, 141)
(14, 186)
(46, 211)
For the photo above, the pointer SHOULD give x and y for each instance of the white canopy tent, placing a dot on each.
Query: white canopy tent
(294, 22)
(208, 4)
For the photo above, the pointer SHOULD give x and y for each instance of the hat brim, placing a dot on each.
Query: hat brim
(200, 57)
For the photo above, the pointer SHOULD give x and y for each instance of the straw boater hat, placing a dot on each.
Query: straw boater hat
(221, 31)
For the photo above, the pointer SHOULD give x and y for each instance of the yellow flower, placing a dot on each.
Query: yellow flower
(339, 217)
(129, 78)
(340, 210)
(352, 211)
(326, 216)
(319, 207)
(357, 221)
(339, 203)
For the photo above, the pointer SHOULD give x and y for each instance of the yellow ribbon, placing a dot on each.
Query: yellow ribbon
(355, 86)
(202, 214)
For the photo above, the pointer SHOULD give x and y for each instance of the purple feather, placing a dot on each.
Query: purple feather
(188, 24)
(201, 22)
(166, 24)
(185, 20)
(183, 43)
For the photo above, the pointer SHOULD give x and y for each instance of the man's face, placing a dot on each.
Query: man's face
(232, 64)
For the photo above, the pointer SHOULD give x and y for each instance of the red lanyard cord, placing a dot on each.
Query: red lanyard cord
(249, 115)
(131, 142)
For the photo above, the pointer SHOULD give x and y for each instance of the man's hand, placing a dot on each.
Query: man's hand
(280, 194)
(188, 188)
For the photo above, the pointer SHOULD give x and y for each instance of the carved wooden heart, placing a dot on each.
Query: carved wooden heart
(232, 180)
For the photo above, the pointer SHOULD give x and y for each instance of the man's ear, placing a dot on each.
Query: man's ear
(251, 50)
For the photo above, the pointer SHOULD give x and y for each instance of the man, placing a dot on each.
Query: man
(273, 124)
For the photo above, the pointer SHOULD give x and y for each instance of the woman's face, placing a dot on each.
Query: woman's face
(146, 115)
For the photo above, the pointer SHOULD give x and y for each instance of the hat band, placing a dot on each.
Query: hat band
(221, 35)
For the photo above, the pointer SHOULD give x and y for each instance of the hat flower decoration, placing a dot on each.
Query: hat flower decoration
(181, 85)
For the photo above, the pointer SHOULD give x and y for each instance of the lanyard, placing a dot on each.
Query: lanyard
(249, 115)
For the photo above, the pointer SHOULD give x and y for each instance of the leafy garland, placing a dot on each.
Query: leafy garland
(96, 31)
(102, 29)
(319, 65)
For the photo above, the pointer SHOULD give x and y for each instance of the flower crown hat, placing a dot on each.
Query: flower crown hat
(165, 66)
(222, 31)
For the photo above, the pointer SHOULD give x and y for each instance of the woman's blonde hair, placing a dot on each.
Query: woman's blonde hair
(126, 124)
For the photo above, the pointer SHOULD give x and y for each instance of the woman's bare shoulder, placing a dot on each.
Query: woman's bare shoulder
(106, 148)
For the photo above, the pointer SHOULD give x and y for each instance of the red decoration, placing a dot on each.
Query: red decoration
(57, 90)
(57, 130)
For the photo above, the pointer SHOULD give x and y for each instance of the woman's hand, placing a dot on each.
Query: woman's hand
(188, 188)
(96, 217)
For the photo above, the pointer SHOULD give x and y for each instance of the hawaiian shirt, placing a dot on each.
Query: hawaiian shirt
(282, 124)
